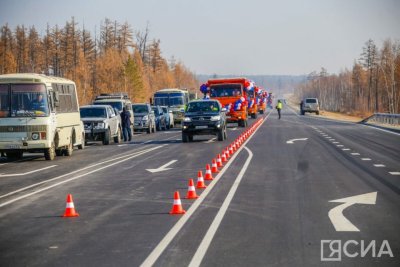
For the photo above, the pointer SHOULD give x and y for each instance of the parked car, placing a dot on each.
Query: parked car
(204, 117)
(101, 123)
(144, 117)
(161, 123)
(169, 116)
(117, 101)
(310, 105)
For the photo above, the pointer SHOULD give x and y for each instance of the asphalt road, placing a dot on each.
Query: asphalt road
(269, 206)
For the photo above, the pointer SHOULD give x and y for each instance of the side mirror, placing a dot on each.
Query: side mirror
(56, 96)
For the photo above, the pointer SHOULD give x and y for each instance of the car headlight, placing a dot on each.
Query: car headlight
(100, 125)
(145, 118)
(215, 118)
(187, 119)
(35, 136)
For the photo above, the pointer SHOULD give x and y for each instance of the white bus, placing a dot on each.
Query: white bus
(39, 114)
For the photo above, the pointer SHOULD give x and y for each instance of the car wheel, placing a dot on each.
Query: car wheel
(225, 134)
(50, 153)
(117, 139)
(106, 138)
(185, 138)
(221, 135)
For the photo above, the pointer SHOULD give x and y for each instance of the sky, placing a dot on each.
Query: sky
(257, 37)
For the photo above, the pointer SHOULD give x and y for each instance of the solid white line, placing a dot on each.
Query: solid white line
(25, 173)
(69, 174)
(394, 173)
(379, 129)
(379, 165)
(366, 159)
(158, 250)
(205, 243)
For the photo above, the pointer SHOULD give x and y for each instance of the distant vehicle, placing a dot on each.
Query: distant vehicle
(161, 123)
(204, 117)
(101, 123)
(169, 116)
(310, 105)
(117, 101)
(144, 117)
(174, 98)
(39, 113)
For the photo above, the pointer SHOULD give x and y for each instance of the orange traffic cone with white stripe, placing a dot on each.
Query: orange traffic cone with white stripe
(177, 207)
(214, 168)
(227, 154)
(223, 157)
(200, 180)
(219, 161)
(231, 150)
(191, 193)
(208, 173)
(70, 208)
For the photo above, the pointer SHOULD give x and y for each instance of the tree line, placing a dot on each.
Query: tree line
(371, 86)
(117, 59)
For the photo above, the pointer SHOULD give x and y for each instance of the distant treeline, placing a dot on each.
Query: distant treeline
(118, 59)
(373, 85)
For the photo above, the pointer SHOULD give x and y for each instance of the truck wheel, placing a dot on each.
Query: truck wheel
(261, 111)
(117, 139)
(70, 148)
(185, 138)
(50, 153)
(190, 138)
(106, 138)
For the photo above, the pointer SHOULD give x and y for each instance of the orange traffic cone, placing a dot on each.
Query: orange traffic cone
(200, 180)
(191, 193)
(227, 154)
(177, 207)
(219, 161)
(70, 208)
(214, 168)
(223, 157)
(231, 150)
(208, 173)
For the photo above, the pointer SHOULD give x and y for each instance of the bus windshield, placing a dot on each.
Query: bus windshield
(226, 90)
(170, 100)
(27, 100)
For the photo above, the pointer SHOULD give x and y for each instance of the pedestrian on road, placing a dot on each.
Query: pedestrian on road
(126, 124)
(279, 107)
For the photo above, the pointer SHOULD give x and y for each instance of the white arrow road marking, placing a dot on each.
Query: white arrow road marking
(291, 141)
(25, 173)
(338, 220)
(163, 167)
(394, 173)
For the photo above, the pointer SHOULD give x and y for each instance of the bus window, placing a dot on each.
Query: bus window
(4, 101)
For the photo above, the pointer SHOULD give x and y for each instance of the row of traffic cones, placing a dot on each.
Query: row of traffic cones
(218, 162)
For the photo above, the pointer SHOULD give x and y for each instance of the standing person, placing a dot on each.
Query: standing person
(301, 107)
(279, 107)
(126, 124)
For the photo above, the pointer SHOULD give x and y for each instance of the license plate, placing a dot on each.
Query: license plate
(202, 127)
(12, 147)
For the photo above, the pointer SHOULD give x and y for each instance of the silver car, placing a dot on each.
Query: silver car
(310, 105)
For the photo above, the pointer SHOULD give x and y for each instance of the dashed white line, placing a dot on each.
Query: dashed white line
(336, 142)
(366, 159)
(355, 154)
(394, 173)
(340, 145)
(346, 149)
(379, 165)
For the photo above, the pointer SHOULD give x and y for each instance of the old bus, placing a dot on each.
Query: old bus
(39, 114)
(174, 98)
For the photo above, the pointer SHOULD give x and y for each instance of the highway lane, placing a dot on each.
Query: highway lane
(278, 215)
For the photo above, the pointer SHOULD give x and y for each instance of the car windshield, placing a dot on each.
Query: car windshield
(93, 113)
(203, 107)
(226, 90)
(140, 109)
(27, 100)
(115, 105)
(311, 101)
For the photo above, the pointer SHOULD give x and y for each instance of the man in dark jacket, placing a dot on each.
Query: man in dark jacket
(126, 124)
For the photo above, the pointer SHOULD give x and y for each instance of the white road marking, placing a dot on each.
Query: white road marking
(341, 223)
(26, 173)
(366, 159)
(355, 154)
(163, 167)
(123, 145)
(346, 149)
(233, 129)
(127, 157)
(340, 145)
(205, 243)
(158, 250)
(379, 165)
(335, 142)
(379, 129)
(327, 137)
(148, 142)
(212, 140)
(394, 173)
(291, 141)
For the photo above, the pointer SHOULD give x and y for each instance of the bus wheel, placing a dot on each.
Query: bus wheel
(50, 153)
(70, 148)
(82, 145)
